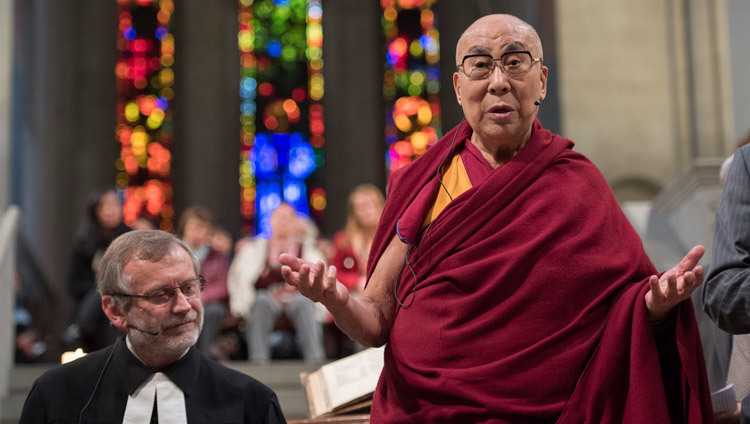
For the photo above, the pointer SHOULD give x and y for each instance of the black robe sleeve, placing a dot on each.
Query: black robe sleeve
(33, 409)
(274, 414)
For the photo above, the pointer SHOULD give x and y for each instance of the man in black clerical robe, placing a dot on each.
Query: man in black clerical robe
(151, 292)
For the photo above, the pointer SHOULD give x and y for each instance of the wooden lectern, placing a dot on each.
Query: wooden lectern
(341, 419)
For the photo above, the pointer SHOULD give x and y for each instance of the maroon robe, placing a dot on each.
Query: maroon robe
(529, 302)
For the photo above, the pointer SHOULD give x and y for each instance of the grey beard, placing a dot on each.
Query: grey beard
(147, 346)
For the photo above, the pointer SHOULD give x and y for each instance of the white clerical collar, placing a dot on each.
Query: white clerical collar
(169, 398)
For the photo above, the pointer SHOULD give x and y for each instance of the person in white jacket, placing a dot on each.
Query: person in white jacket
(258, 293)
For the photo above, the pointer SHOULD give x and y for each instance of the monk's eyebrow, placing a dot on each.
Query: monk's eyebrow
(514, 47)
(478, 50)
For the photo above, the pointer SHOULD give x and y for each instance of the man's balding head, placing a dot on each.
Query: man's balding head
(484, 25)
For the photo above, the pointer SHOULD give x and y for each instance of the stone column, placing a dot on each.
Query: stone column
(739, 32)
(701, 93)
(354, 115)
(6, 70)
(7, 246)
(6, 309)
(700, 79)
(8, 230)
(64, 114)
(206, 153)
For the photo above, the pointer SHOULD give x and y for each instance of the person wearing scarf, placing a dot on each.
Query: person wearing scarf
(506, 281)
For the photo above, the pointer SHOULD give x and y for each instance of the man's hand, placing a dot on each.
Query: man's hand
(313, 281)
(675, 285)
(729, 417)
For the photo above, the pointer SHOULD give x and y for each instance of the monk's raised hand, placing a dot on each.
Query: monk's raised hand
(314, 281)
(675, 285)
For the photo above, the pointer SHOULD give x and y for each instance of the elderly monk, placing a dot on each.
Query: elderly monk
(506, 280)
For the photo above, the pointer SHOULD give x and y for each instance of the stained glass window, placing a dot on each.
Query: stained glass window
(412, 80)
(281, 86)
(145, 81)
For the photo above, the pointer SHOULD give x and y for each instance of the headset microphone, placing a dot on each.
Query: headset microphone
(538, 102)
(407, 262)
(153, 333)
(98, 380)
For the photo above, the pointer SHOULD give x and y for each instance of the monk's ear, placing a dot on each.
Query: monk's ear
(543, 82)
(114, 312)
(457, 87)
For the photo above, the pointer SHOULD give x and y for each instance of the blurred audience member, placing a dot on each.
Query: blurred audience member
(258, 292)
(143, 223)
(102, 223)
(39, 317)
(222, 241)
(91, 325)
(29, 347)
(196, 228)
(350, 249)
(351, 246)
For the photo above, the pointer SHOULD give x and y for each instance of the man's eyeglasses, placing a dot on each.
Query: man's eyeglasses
(514, 64)
(190, 288)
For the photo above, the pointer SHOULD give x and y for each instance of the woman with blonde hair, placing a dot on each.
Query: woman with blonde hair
(351, 246)
(349, 252)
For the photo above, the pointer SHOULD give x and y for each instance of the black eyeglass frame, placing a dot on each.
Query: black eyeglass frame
(502, 68)
(201, 286)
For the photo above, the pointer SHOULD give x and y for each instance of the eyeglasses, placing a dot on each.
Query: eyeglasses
(190, 289)
(514, 64)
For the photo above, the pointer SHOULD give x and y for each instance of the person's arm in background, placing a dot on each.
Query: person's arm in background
(726, 293)
(245, 268)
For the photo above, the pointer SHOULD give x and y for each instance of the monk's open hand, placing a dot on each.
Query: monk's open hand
(675, 285)
(314, 281)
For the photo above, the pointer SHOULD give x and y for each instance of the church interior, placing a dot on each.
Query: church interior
(238, 105)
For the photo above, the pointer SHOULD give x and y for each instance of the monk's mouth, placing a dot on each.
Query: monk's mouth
(501, 110)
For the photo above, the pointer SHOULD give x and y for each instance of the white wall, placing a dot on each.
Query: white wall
(645, 87)
(739, 34)
(6, 260)
(615, 87)
(6, 56)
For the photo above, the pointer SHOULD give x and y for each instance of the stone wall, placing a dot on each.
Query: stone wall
(645, 87)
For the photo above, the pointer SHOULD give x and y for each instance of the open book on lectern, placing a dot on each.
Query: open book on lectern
(342, 386)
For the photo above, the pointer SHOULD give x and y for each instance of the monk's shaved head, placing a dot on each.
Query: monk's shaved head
(500, 107)
(491, 24)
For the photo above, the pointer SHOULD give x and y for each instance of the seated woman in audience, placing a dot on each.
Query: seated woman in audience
(351, 247)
